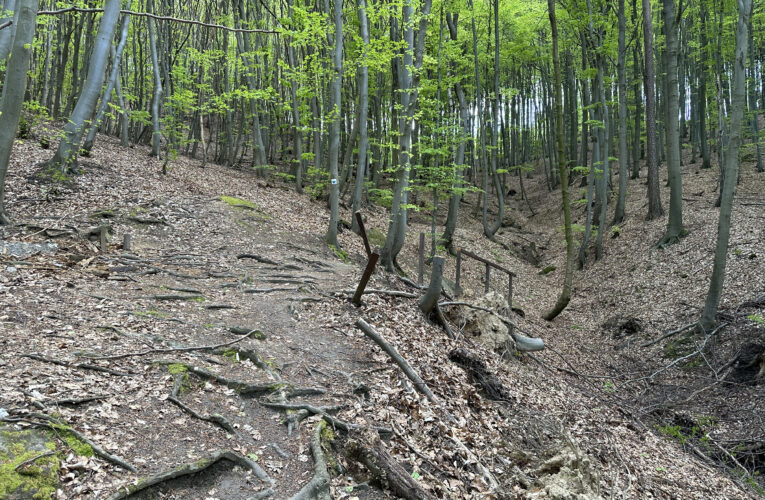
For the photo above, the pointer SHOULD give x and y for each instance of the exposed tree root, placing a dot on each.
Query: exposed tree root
(175, 349)
(243, 388)
(318, 487)
(81, 366)
(252, 355)
(193, 468)
(176, 297)
(258, 258)
(57, 426)
(267, 290)
(367, 449)
(216, 419)
(324, 413)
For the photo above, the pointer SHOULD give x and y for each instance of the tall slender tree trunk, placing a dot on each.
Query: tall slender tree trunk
(623, 152)
(14, 87)
(654, 194)
(66, 155)
(565, 295)
(334, 126)
(363, 112)
(447, 239)
(675, 228)
(113, 78)
(709, 315)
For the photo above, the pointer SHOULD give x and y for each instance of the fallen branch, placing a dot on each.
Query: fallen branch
(402, 363)
(488, 477)
(668, 334)
(266, 290)
(81, 366)
(188, 469)
(318, 487)
(175, 349)
(683, 358)
(392, 293)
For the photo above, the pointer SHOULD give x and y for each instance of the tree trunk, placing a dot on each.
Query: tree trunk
(113, 78)
(66, 155)
(623, 153)
(675, 223)
(654, 195)
(334, 126)
(363, 112)
(565, 295)
(14, 87)
(708, 316)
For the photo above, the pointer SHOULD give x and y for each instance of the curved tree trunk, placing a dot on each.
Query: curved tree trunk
(66, 154)
(565, 294)
(113, 78)
(708, 316)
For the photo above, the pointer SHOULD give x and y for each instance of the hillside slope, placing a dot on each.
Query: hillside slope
(218, 253)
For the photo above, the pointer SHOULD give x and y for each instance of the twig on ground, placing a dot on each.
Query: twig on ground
(34, 459)
(668, 334)
(392, 293)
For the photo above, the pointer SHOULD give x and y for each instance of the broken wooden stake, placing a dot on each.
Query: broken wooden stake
(365, 277)
(127, 242)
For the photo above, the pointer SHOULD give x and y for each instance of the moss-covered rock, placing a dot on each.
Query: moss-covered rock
(39, 478)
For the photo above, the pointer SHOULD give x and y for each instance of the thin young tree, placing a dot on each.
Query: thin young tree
(565, 295)
(654, 195)
(14, 87)
(709, 315)
(675, 228)
(363, 111)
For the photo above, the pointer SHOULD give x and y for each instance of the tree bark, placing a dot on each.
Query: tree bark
(334, 126)
(654, 195)
(708, 316)
(14, 88)
(565, 295)
(66, 154)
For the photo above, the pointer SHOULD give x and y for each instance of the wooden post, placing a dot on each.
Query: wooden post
(102, 238)
(363, 232)
(421, 262)
(488, 277)
(127, 242)
(457, 277)
(510, 291)
(365, 277)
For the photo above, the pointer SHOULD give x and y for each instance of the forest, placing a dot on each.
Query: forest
(369, 249)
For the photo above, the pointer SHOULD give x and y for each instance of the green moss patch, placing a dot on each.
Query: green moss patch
(37, 479)
(239, 203)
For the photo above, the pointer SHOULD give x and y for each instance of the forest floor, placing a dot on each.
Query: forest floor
(108, 344)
